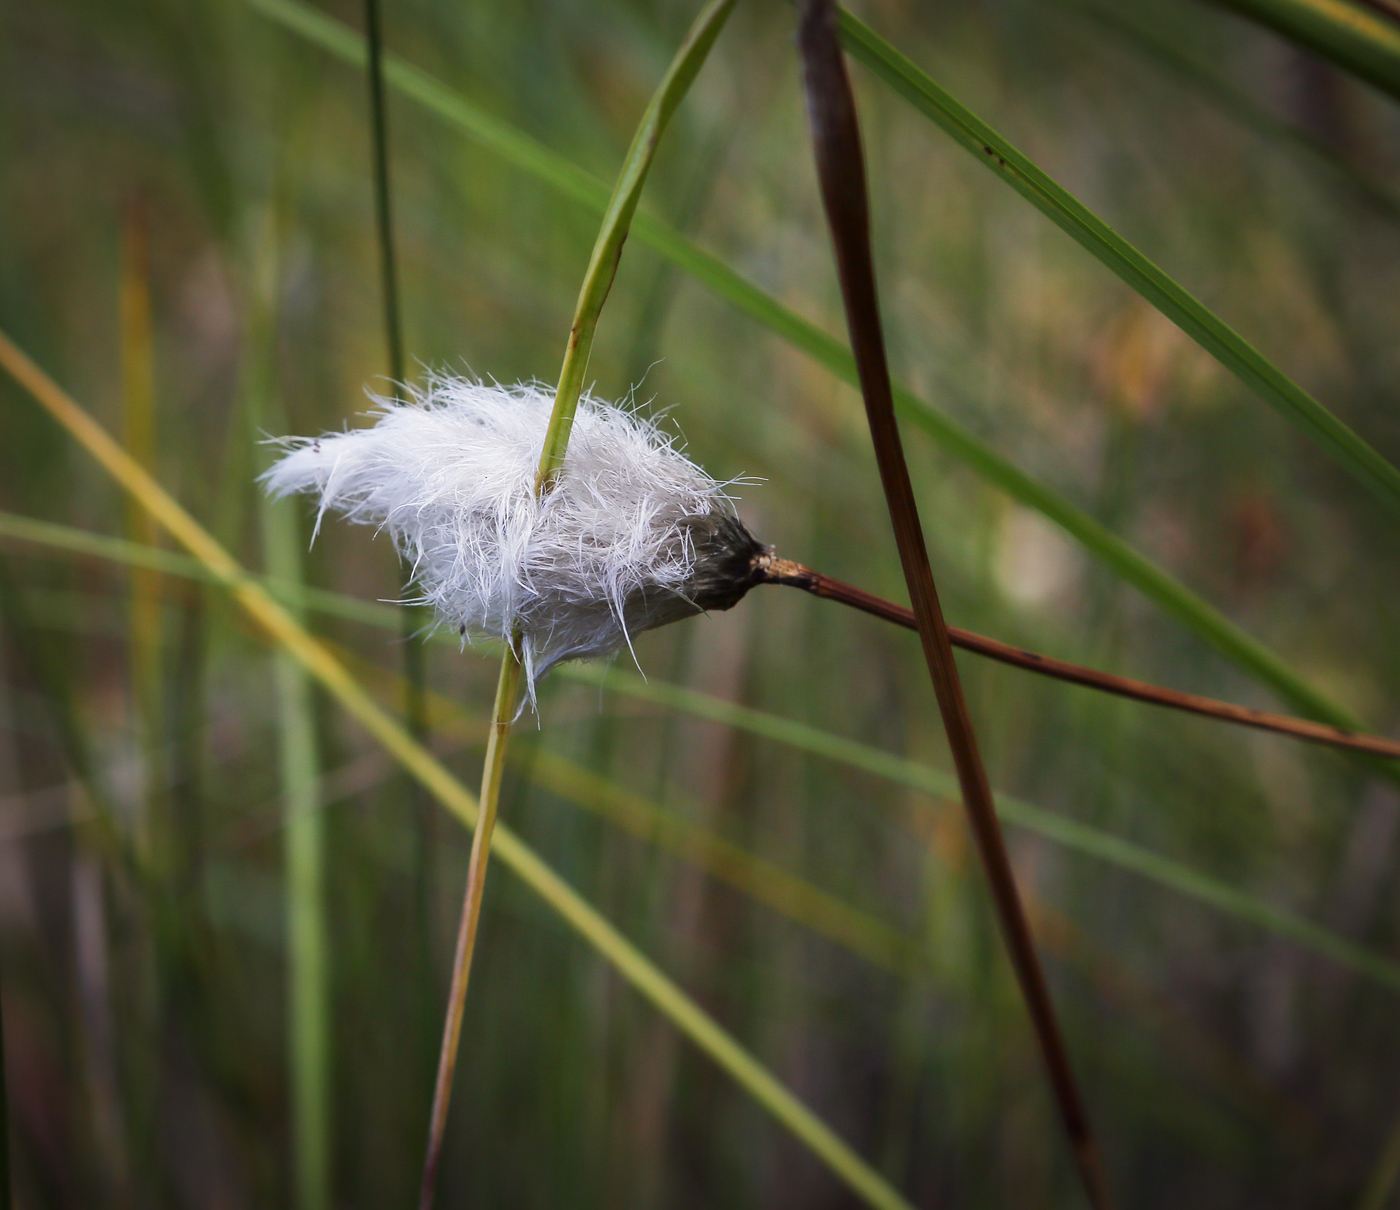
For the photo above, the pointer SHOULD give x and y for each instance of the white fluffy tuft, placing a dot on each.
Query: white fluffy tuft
(451, 476)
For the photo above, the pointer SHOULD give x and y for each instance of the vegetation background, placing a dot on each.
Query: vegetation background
(205, 167)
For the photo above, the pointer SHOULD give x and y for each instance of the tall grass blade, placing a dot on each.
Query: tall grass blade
(139, 436)
(1082, 838)
(299, 768)
(303, 850)
(1195, 319)
(415, 710)
(283, 630)
(1353, 36)
(573, 182)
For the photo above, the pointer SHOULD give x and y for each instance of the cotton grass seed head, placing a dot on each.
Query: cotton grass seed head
(633, 535)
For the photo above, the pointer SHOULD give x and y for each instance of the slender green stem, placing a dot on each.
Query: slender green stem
(414, 710)
(507, 692)
(1080, 837)
(617, 221)
(526, 153)
(308, 1002)
(1207, 329)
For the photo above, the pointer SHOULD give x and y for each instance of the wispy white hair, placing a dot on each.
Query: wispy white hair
(633, 535)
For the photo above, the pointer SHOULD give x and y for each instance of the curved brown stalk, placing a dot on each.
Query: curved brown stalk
(840, 164)
(785, 571)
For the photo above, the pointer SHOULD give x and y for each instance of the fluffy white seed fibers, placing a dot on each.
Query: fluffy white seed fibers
(451, 475)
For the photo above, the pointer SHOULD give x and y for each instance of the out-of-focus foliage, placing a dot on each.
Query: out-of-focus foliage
(142, 952)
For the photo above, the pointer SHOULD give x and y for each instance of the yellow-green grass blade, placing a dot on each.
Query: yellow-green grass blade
(1357, 38)
(1081, 837)
(574, 182)
(1206, 328)
(617, 222)
(289, 635)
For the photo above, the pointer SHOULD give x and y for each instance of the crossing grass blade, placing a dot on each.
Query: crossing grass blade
(286, 633)
(1080, 837)
(1207, 329)
(573, 182)
(1355, 37)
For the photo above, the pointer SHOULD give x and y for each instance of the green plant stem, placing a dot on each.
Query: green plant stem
(617, 222)
(1070, 833)
(393, 320)
(303, 853)
(299, 765)
(507, 691)
(1207, 329)
(571, 181)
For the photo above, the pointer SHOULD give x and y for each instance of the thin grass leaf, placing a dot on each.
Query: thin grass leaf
(284, 631)
(1359, 39)
(526, 153)
(762, 881)
(299, 769)
(1207, 329)
(139, 436)
(309, 1031)
(1381, 1183)
(1083, 838)
(1166, 53)
(415, 673)
(1078, 836)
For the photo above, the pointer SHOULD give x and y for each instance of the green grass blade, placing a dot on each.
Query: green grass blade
(1082, 837)
(1164, 51)
(303, 855)
(299, 768)
(617, 221)
(282, 630)
(762, 881)
(1189, 314)
(1361, 40)
(573, 182)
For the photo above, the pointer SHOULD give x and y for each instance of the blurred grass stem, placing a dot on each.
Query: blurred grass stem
(299, 769)
(415, 672)
(841, 171)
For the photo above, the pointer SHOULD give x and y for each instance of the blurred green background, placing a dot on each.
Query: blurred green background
(208, 161)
